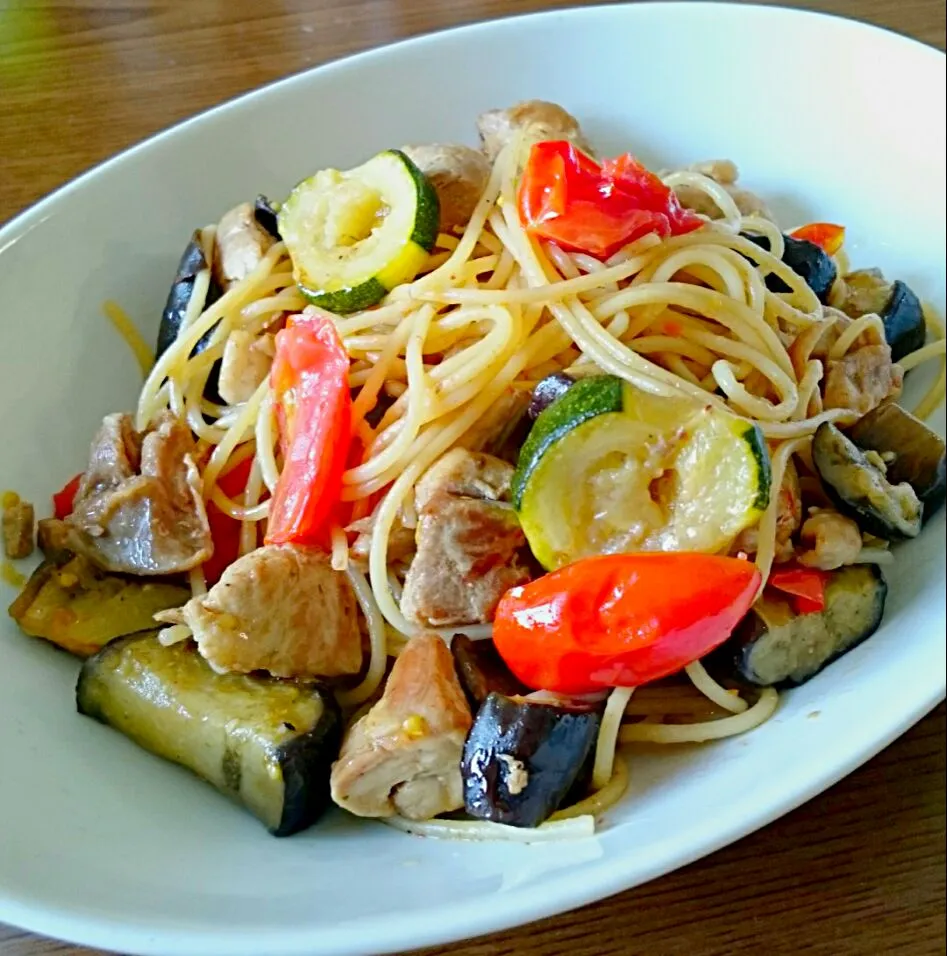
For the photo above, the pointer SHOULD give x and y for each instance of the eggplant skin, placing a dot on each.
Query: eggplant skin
(775, 647)
(547, 391)
(861, 490)
(192, 263)
(811, 263)
(268, 744)
(521, 758)
(481, 670)
(903, 320)
(919, 452)
(266, 216)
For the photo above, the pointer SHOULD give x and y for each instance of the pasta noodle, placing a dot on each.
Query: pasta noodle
(493, 311)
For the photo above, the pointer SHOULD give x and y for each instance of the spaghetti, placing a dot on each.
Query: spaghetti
(494, 312)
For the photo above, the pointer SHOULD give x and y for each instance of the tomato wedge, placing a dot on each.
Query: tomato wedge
(568, 198)
(314, 409)
(806, 585)
(621, 620)
(65, 499)
(828, 236)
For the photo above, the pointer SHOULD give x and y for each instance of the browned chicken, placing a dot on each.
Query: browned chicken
(831, 540)
(537, 119)
(280, 609)
(468, 539)
(862, 380)
(52, 537)
(245, 364)
(139, 509)
(788, 519)
(403, 756)
(240, 244)
(459, 176)
(865, 291)
(17, 525)
(724, 172)
(400, 541)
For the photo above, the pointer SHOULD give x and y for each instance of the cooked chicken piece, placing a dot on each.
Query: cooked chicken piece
(459, 176)
(245, 365)
(17, 529)
(468, 542)
(240, 244)
(862, 380)
(724, 172)
(837, 322)
(280, 609)
(788, 518)
(866, 291)
(538, 120)
(139, 509)
(832, 541)
(52, 536)
(400, 540)
(404, 755)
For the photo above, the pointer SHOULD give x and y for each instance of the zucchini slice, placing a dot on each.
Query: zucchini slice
(608, 469)
(774, 646)
(266, 743)
(355, 235)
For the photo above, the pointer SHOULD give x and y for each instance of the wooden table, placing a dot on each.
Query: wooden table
(859, 869)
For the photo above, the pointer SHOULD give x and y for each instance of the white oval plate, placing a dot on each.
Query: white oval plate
(107, 846)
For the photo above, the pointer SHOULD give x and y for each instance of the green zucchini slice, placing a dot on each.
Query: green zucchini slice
(266, 743)
(607, 468)
(355, 235)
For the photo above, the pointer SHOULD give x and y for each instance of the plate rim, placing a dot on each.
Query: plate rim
(461, 920)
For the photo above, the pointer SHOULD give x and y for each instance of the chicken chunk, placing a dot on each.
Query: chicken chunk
(400, 540)
(788, 519)
(502, 429)
(468, 542)
(403, 756)
(240, 244)
(832, 541)
(725, 173)
(279, 609)
(862, 380)
(536, 119)
(864, 292)
(17, 525)
(245, 365)
(459, 176)
(138, 509)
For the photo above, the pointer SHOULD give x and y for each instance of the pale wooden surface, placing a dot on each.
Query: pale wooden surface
(858, 870)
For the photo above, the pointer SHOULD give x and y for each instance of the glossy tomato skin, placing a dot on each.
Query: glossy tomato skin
(621, 620)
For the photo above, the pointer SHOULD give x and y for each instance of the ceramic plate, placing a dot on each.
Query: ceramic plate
(103, 844)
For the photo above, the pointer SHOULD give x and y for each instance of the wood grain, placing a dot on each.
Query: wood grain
(858, 870)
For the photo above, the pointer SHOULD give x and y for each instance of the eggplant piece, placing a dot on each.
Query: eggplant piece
(482, 671)
(895, 303)
(192, 263)
(859, 487)
(80, 608)
(775, 647)
(809, 261)
(266, 216)
(268, 744)
(521, 758)
(548, 390)
(913, 452)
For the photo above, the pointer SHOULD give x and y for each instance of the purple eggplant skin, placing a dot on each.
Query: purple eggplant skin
(192, 263)
(775, 647)
(810, 262)
(548, 390)
(914, 452)
(481, 671)
(903, 320)
(522, 758)
(266, 216)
